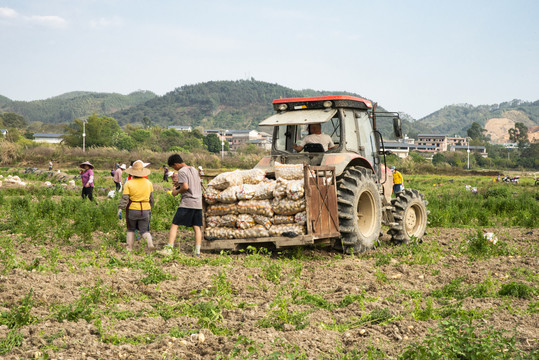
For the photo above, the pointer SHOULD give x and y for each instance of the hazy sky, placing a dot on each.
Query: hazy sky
(410, 56)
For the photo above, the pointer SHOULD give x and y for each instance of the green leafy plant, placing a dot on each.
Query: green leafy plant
(517, 289)
(19, 315)
(456, 338)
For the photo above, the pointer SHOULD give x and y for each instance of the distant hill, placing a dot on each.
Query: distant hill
(78, 104)
(456, 119)
(242, 104)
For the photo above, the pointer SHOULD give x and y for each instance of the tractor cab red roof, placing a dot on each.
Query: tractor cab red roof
(321, 102)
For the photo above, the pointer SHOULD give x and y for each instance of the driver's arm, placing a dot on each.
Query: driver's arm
(298, 148)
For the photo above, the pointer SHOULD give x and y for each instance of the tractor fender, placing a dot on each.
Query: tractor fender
(341, 161)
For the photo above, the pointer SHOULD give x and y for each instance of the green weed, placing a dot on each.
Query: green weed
(154, 274)
(460, 339)
(12, 340)
(279, 315)
(19, 315)
(517, 289)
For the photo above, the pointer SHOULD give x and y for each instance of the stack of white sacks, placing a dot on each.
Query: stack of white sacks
(14, 180)
(245, 204)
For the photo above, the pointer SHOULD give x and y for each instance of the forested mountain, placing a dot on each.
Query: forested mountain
(456, 119)
(64, 108)
(241, 104)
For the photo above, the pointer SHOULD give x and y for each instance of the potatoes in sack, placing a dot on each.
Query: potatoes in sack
(226, 180)
(229, 220)
(288, 171)
(245, 221)
(219, 233)
(253, 176)
(211, 195)
(221, 209)
(255, 207)
(283, 219)
(264, 190)
(256, 231)
(245, 191)
(263, 220)
(300, 218)
(280, 187)
(287, 230)
(286, 206)
(228, 195)
(213, 221)
(295, 189)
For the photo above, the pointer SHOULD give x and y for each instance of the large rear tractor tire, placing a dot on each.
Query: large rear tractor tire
(360, 210)
(410, 214)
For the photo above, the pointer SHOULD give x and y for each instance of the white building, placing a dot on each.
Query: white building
(48, 138)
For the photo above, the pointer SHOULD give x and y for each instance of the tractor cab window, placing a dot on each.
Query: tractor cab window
(288, 135)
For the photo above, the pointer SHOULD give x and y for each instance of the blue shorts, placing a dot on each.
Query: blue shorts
(188, 217)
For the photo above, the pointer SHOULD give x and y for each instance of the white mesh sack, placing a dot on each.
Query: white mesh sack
(255, 207)
(265, 221)
(245, 221)
(229, 220)
(245, 191)
(213, 221)
(253, 176)
(221, 209)
(286, 206)
(211, 195)
(228, 195)
(300, 218)
(287, 230)
(280, 187)
(283, 219)
(264, 190)
(288, 171)
(254, 232)
(219, 233)
(295, 189)
(226, 179)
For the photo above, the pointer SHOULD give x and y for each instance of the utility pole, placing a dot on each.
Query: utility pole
(83, 135)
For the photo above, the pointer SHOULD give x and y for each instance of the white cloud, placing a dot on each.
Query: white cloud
(48, 21)
(7, 13)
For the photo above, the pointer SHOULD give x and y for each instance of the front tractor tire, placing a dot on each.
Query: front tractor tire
(360, 210)
(410, 214)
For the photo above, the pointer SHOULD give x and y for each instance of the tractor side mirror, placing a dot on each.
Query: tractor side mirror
(397, 127)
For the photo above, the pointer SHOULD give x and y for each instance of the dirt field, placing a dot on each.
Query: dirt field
(96, 302)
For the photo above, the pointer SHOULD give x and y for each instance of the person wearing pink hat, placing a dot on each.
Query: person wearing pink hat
(87, 177)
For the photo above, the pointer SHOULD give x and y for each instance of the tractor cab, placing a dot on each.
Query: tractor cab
(348, 121)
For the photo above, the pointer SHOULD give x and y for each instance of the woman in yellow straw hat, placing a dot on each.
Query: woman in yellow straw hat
(138, 201)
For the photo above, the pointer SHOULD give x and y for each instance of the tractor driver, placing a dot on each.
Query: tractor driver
(316, 137)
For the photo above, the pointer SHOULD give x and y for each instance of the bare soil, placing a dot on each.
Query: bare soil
(324, 272)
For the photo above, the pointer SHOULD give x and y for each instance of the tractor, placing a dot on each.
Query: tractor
(363, 181)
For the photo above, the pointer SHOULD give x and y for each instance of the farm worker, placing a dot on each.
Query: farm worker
(118, 176)
(316, 137)
(133, 163)
(201, 173)
(165, 173)
(87, 177)
(137, 200)
(50, 165)
(189, 213)
(397, 181)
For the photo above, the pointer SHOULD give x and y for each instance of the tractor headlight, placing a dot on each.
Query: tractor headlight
(282, 107)
(328, 104)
